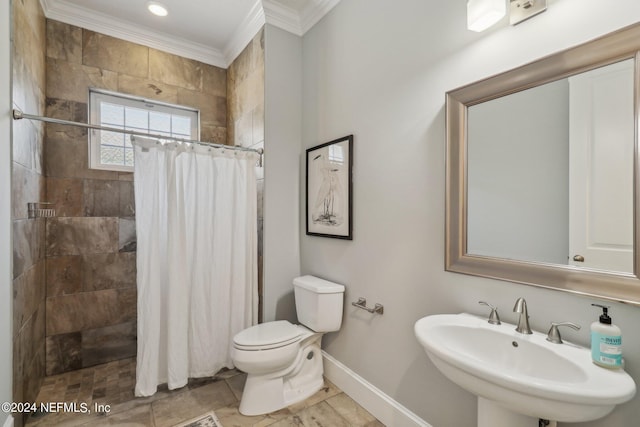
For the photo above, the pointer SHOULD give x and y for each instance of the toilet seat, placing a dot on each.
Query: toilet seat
(266, 336)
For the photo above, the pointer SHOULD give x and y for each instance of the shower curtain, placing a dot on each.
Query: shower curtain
(196, 258)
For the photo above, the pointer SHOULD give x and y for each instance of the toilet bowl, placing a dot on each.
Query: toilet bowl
(283, 361)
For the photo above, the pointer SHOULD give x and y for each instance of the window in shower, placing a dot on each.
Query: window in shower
(113, 150)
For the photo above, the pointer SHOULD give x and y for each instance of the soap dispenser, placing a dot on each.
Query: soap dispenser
(606, 341)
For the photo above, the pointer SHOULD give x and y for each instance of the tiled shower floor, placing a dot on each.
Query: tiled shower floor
(112, 384)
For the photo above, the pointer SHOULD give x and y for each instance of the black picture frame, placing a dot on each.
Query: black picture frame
(329, 189)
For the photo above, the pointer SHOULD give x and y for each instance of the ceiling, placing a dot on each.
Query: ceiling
(210, 31)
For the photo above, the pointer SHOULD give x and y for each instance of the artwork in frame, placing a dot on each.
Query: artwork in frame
(329, 198)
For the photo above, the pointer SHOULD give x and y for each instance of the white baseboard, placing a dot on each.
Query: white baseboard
(380, 405)
(9, 421)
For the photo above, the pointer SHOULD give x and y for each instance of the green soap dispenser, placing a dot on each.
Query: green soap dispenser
(606, 341)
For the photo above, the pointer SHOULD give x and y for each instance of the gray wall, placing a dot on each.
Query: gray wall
(6, 345)
(380, 70)
(283, 116)
(518, 182)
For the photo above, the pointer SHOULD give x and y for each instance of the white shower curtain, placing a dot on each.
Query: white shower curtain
(196, 258)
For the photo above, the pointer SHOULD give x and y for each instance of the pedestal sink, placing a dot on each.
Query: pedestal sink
(521, 378)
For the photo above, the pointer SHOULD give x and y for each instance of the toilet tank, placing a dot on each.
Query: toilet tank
(318, 303)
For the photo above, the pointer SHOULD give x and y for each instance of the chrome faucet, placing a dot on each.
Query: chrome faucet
(523, 321)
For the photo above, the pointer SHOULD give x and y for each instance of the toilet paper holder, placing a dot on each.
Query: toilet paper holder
(362, 303)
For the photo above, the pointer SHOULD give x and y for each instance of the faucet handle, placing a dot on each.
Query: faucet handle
(494, 319)
(554, 334)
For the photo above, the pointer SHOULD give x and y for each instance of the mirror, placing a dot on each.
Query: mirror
(542, 172)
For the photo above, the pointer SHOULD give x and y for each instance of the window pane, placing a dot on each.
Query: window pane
(159, 122)
(114, 149)
(111, 114)
(112, 139)
(128, 157)
(181, 125)
(137, 119)
(112, 155)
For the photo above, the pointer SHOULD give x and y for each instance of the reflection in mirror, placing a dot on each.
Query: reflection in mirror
(550, 172)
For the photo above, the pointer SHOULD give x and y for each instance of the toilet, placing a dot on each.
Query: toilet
(282, 360)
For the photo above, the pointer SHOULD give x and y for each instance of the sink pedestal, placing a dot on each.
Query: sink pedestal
(490, 414)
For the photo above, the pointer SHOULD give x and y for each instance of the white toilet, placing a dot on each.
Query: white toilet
(282, 360)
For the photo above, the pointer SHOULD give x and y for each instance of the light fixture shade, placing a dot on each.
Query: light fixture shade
(481, 14)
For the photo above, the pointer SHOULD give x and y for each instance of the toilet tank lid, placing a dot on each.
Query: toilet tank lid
(318, 285)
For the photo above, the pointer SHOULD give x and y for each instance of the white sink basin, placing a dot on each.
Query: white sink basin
(524, 373)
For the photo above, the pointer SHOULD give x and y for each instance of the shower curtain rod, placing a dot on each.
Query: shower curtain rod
(18, 115)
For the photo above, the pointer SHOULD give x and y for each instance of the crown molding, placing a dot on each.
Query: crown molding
(63, 11)
(246, 31)
(295, 21)
(314, 12)
(283, 17)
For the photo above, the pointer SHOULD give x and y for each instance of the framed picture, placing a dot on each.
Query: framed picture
(329, 200)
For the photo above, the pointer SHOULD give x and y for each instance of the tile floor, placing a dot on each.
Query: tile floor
(112, 384)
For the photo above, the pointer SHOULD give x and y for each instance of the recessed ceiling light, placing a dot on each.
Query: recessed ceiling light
(157, 8)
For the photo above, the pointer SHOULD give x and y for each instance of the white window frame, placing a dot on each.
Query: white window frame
(96, 96)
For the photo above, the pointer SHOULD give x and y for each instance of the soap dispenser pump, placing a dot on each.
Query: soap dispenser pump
(606, 341)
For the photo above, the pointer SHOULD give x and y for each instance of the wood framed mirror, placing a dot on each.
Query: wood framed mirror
(542, 182)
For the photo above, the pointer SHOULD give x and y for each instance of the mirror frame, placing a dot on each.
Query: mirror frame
(623, 287)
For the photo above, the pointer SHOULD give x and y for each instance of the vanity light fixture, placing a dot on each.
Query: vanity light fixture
(482, 14)
(157, 8)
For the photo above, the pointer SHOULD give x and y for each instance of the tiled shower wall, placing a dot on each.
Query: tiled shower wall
(28, 186)
(90, 247)
(245, 121)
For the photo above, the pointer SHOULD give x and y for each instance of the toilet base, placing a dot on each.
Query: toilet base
(271, 392)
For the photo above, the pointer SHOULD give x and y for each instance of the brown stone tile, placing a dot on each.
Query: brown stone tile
(214, 80)
(76, 236)
(175, 70)
(329, 390)
(63, 353)
(355, 414)
(213, 133)
(110, 343)
(64, 275)
(310, 416)
(28, 244)
(64, 41)
(213, 109)
(127, 199)
(67, 80)
(29, 346)
(230, 416)
(90, 310)
(243, 131)
(258, 124)
(109, 271)
(140, 416)
(236, 384)
(29, 39)
(110, 53)
(67, 196)
(26, 136)
(101, 198)
(67, 110)
(28, 293)
(34, 376)
(27, 186)
(67, 155)
(125, 176)
(127, 240)
(185, 405)
(148, 89)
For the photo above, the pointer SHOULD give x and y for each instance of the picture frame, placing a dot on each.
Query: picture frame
(329, 189)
